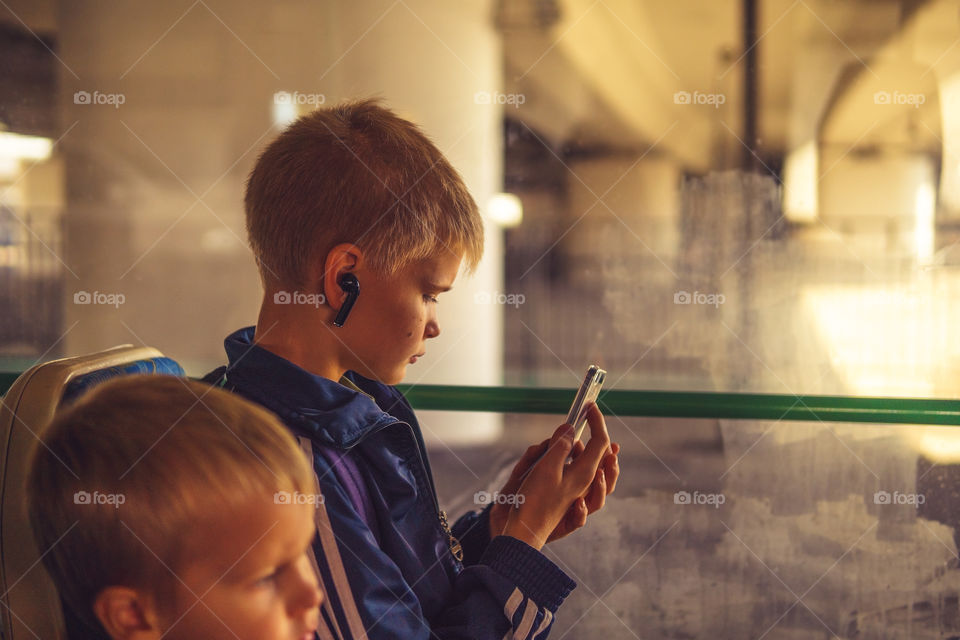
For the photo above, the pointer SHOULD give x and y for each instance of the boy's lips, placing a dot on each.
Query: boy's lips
(413, 358)
(311, 628)
(308, 635)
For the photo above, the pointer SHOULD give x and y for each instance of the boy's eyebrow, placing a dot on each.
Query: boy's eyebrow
(265, 565)
(438, 287)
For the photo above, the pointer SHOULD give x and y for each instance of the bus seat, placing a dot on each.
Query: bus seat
(29, 604)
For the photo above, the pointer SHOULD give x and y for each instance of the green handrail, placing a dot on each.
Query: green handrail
(676, 404)
(682, 404)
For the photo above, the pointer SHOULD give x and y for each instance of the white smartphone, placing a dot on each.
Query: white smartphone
(587, 393)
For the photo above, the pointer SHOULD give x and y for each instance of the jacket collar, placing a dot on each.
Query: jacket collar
(324, 410)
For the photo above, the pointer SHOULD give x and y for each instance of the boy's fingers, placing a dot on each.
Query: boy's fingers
(561, 443)
(584, 468)
(576, 515)
(577, 449)
(528, 458)
(598, 492)
(599, 438)
(580, 513)
(611, 469)
(573, 519)
(534, 451)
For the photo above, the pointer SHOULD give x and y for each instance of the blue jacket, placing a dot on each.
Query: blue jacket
(404, 580)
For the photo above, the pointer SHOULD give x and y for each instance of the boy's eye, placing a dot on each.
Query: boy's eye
(268, 580)
(428, 298)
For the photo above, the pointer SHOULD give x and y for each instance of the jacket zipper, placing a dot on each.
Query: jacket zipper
(455, 547)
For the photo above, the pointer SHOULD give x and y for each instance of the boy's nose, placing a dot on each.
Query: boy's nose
(309, 598)
(309, 595)
(315, 596)
(432, 330)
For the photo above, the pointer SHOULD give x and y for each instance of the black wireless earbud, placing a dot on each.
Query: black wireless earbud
(351, 286)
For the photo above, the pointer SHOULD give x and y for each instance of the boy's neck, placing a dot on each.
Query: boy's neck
(298, 340)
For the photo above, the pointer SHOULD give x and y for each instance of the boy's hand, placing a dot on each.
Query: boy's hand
(603, 485)
(557, 498)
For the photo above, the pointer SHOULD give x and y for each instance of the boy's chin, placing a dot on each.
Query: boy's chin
(391, 376)
(397, 375)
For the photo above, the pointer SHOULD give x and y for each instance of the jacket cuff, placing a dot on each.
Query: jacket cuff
(473, 532)
(536, 576)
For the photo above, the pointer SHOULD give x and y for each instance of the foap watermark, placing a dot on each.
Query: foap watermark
(485, 497)
(899, 98)
(698, 297)
(299, 297)
(495, 97)
(885, 497)
(295, 497)
(698, 97)
(512, 299)
(99, 297)
(311, 99)
(712, 499)
(113, 99)
(112, 499)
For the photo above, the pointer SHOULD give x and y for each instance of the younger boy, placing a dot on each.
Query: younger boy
(165, 508)
(358, 223)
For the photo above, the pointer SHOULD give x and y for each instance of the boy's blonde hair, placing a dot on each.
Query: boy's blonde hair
(175, 460)
(357, 173)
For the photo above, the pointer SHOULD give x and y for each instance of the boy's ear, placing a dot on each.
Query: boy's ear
(343, 258)
(126, 614)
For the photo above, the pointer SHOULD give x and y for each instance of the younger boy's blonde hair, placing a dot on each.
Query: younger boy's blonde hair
(125, 477)
(357, 173)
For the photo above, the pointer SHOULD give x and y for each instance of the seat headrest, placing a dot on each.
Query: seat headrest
(81, 384)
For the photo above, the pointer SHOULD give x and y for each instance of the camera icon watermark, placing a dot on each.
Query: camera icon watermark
(698, 297)
(295, 497)
(298, 297)
(113, 499)
(885, 497)
(297, 98)
(485, 497)
(113, 99)
(712, 499)
(899, 98)
(495, 97)
(98, 297)
(699, 98)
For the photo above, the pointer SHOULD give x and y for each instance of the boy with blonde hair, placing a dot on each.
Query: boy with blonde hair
(358, 223)
(163, 509)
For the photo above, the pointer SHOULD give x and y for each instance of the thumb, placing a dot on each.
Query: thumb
(529, 458)
(560, 446)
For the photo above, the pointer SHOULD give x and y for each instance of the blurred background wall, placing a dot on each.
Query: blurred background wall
(755, 195)
(151, 178)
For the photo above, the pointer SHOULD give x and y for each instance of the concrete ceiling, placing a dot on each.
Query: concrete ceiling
(604, 74)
